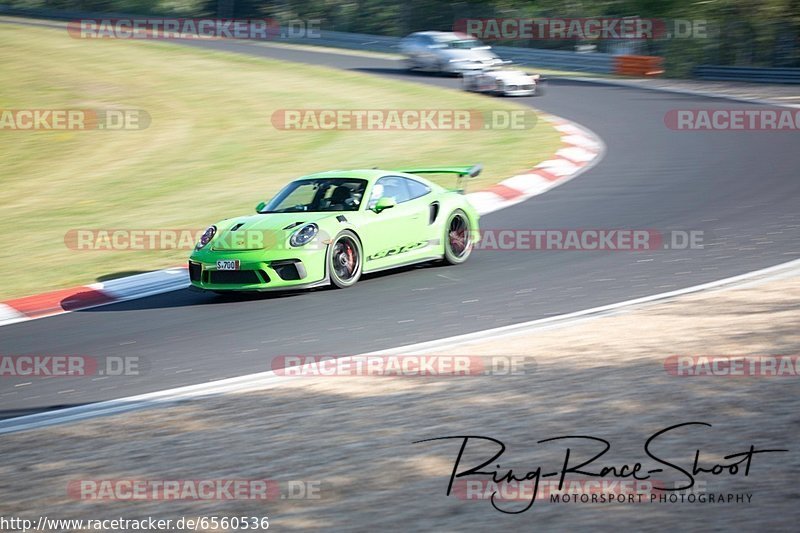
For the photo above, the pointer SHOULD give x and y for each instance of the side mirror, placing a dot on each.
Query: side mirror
(384, 203)
(260, 207)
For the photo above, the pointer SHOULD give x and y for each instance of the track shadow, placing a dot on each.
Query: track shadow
(400, 270)
(6, 414)
(400, 71)
(189, 298)
(121, 274)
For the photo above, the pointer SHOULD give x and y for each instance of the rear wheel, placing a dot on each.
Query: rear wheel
(458, 238)
(344, 260)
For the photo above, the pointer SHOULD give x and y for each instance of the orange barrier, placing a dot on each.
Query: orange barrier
(638, 65)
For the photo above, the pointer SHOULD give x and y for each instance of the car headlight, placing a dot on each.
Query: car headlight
(206, 237)
(304, 235)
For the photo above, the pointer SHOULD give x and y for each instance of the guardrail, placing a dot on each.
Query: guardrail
(353, 41)
(554, 59)
(751, 74)
(593, 62)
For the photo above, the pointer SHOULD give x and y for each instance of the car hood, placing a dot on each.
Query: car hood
(262, 231)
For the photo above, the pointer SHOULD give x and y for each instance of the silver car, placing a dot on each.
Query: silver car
(503, 81)
(447, 52)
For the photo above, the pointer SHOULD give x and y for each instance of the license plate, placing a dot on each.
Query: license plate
(228, 264)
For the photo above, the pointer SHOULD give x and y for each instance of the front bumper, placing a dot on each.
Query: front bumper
(520, 92)
(526, 89)
(259, 270)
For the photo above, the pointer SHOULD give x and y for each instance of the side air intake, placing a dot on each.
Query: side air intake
(434, 212)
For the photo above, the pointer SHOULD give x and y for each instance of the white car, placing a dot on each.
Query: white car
(447, 52)
(502, 81)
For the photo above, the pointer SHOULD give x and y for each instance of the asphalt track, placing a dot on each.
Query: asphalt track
(740, 188)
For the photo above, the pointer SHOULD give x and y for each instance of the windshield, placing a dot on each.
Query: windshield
(317, 195)
(464, 44)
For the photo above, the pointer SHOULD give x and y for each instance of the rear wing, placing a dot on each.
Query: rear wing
(461, 172)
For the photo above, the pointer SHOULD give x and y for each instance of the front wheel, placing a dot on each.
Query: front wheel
(344, 260)
(458, 238)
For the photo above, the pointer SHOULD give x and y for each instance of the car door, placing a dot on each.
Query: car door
(420, 227)
(393, 234)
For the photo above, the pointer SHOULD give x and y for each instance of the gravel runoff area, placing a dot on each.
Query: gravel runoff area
(348, 441)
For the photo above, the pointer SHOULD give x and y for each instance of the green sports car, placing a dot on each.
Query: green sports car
(331, 227)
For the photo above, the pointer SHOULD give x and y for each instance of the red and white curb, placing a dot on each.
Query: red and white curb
(580, 151)
(96, 294)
